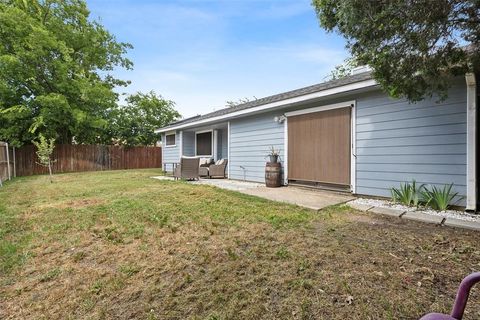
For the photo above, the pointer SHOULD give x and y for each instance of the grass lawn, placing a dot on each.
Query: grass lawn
(119, 245)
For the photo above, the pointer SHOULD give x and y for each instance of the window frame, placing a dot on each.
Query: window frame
(174, 134)
(211, 143)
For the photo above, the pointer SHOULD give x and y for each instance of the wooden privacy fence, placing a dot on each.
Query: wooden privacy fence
(76, 158)
(6, 162)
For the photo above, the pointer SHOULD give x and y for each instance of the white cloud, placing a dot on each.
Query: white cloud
(198, 84)
(200, 53)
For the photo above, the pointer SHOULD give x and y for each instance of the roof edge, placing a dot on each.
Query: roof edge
(272, 105)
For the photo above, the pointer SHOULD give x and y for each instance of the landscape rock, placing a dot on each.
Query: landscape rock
(387, 211)
(359, 206)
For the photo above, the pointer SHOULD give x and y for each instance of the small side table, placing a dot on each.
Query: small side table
(172, 164)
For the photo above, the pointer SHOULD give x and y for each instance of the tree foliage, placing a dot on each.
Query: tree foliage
(343, 70)
(44, 152)
(232, 103)
(55, 71)
(134, 124)
(412, 46)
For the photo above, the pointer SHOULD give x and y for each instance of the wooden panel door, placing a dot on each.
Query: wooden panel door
(319, 147)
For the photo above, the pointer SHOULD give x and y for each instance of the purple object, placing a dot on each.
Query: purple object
(460, 301)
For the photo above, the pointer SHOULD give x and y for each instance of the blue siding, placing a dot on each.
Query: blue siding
(171, 154)
(398, 141)
(223, 143)
(395, 142)
(250, 140)
(188, 143)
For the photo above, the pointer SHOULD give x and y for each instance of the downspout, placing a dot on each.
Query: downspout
(228, 151)
(471, 142)
(215, 144)
(180, 145)
(285, 147)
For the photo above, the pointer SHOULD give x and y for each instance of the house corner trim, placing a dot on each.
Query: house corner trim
(471, 142)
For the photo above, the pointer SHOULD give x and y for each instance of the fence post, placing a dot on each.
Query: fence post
(14, 164)
(8, 162)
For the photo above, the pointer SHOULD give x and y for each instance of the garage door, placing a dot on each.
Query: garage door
(319, 147)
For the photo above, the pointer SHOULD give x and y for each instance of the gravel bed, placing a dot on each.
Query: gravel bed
(447, 214)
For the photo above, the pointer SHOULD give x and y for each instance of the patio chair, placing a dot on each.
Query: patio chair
(187, 169)
(204, 165)
(460, 301)
(217, 170)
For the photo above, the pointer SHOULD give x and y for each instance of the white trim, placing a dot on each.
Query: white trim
(353, 153)
(228, 150)
(162, 150)
(203, 131)
(285, 147)
(180, 143)
(203, 155)
(215, 144)
(353, 159)
(471, 142)
(272, 105)
(320, 108)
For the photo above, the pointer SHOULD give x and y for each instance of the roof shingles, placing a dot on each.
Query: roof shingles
(277, 97)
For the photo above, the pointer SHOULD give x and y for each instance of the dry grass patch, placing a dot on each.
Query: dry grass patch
(149, 249)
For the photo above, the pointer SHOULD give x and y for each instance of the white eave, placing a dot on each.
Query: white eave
(273, 105)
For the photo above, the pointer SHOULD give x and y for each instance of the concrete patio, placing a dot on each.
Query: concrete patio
(304, 197)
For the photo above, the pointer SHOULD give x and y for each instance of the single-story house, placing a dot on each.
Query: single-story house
(344, 133)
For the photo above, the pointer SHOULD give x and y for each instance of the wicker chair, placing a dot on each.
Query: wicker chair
(187, 169)
(218, 170)
(205, 163)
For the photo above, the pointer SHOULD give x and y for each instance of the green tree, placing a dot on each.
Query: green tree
(413, 47)
(343, 70)
(134, 124)
(232, 103)
(55, 71)
(44, 152)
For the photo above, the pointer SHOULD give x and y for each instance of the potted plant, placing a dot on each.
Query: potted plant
(273, 154)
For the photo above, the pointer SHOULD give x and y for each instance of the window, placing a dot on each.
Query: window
(170, 140)
(203, 143)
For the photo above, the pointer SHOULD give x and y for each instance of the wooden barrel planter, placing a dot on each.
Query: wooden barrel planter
(273, 174)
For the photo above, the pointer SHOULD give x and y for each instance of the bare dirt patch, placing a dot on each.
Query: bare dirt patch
(366, 218)
(74, 204)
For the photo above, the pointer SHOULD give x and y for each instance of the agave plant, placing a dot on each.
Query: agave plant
(440, 198)
(408, 194)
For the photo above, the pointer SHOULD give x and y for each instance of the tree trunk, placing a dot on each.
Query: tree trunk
(50, 171)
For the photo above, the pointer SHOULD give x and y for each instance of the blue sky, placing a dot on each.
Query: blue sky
(202, 53)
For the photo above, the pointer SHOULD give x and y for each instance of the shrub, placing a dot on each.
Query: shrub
(408, 194)
(439, 198)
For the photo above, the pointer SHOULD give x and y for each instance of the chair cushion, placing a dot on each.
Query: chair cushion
(205, 162)
(220, 162)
